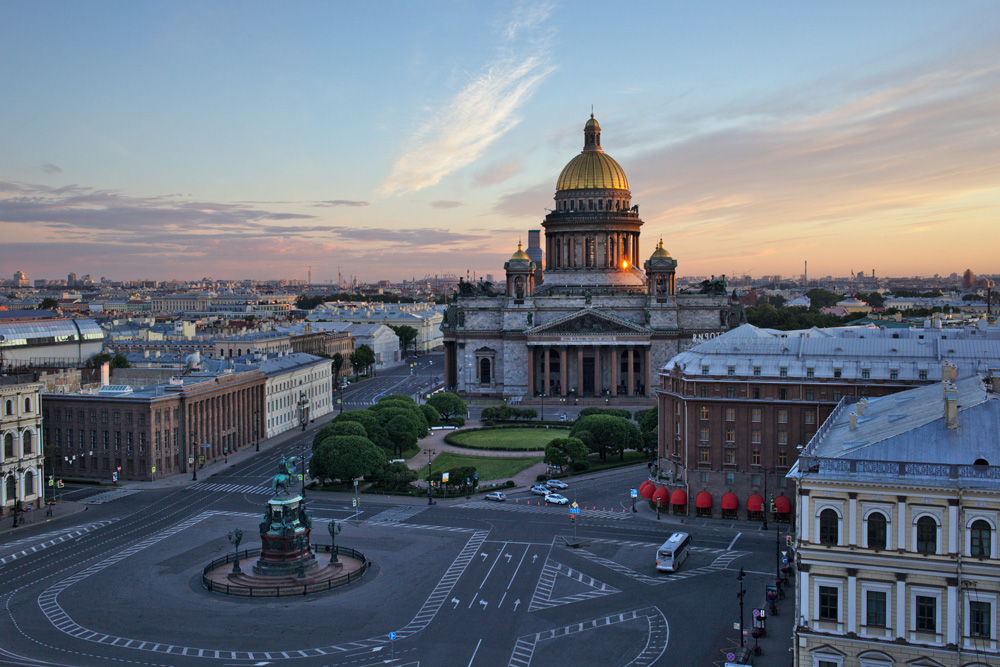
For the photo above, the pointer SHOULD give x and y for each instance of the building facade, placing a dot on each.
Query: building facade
(21, 455)
(129, 432)
(734, 409)
(898, 512)
(42, 338)
(591, 323)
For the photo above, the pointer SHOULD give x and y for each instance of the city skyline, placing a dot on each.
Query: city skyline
(254, 141)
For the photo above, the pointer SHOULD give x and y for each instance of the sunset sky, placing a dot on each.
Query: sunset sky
(395, 139)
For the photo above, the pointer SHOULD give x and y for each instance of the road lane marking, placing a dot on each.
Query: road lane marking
(517, 568)
(475, 652)
(730, 547)
(499, 556)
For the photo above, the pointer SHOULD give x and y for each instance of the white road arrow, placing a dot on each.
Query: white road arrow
(534, 558)
(508, 558)
(484, 555)
(516, 602)
(455, 601)
(243, 664)
(377, 649)
(484, 603)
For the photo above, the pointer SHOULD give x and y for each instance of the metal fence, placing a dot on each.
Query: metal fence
(285, 590)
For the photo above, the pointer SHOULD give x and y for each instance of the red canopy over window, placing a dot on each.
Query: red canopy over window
(782, 505)
(755, 503)
(703, 500)
(678, 497)
(729, 502)
(662, 494)
(646, 490)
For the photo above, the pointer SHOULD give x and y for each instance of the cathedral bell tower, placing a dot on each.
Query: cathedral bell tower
(660, 268)
(520, 274)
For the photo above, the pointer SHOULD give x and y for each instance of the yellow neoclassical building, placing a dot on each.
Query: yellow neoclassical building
(897, 518)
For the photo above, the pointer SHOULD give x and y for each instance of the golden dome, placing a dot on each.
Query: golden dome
(592, 169)
(660, 252)
(520, 254)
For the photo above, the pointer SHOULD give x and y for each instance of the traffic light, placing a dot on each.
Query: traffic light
(788, 540)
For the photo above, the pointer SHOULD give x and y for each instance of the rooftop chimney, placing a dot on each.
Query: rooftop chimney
(105, 374)
(854, 421)
(862, 404)
(949, 372)
(951, 405)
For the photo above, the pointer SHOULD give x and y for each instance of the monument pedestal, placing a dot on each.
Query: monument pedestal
(284, 538)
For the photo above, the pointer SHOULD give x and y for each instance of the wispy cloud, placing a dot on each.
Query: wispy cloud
(486, 108)
(499, 172)
(340, 202)
(49, 168)
(445, 203)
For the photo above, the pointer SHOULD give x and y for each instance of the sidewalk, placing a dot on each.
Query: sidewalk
(61, 510)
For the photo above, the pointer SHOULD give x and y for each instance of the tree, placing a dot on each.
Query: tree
(338, 365)
(48, 303)
(402, 432)
(647, 419)
(821, 298)
(362, 358)
(406, 335)
(447, 404)
(431, 415)
(395, 477)
(608, 434)
(120, 361)
(616, 412)
(339, 428)
(873, 299)
(561, 452)
(347, 457)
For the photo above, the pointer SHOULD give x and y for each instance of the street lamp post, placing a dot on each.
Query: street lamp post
(303, 406)
(430, 497)
(235, 537)
(542, 397)
(764, 512)
(194, 455)
(17, 500)
(334, 527)
(740, 595)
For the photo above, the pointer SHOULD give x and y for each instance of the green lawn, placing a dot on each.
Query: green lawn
(528, 439)
(488, 467)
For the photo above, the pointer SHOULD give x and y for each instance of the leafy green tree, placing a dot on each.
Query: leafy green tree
(402, 432)
(419, 423)
(362, 358)
(48, 303)
(368, 419)
(395, 477)
(431, 415)
(407, 336)
(616, 412)
(339, 428)
(648, 420)
(821, 298)
(608, 434)
(120, 361)
(347, 457)
(447, 404)
(338, 365)
(564, 451)
(873, 299)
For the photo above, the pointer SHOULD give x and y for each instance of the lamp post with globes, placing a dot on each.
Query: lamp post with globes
(18, 471)
(255, 439)
(194, 455)
(430, 455)
(303, 406)
(740, 595)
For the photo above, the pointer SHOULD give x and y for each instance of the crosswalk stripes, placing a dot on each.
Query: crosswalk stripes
(542, 597)
(543, 509)
(108, 496)
(720, 563)
(656, 643)
(625, 571)
(626, 543)
(57, 537)
(396, 514)
(231, 488)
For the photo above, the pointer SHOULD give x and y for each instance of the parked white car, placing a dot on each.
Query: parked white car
(498, 496)
(541, 490)
(556, 499)
(557, 484)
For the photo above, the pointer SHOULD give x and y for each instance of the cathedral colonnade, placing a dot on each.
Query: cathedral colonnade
(589, 369)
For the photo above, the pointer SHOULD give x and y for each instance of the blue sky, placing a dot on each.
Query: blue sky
(180, 140)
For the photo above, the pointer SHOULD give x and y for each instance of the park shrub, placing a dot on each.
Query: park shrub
(510, 484)
(541, 478)
(614, 412)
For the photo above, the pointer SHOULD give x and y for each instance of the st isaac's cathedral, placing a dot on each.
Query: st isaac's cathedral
(590, 322)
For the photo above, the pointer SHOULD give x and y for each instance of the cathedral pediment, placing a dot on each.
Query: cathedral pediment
(586, 322)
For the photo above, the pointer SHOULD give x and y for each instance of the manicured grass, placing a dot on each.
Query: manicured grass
(488, 467)
(528, 439)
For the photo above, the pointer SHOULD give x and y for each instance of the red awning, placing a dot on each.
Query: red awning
(647, 490)
(703, 500)
(678, 497)
(662, 494)
(755, 503)
(729, 502)
(782, 505)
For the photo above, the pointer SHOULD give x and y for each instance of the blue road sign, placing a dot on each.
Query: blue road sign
(392, 635)
(635, 493)
(784, 560)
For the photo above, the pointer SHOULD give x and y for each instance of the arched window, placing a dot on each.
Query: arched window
(27, 404)
(8, 446)
(484, 371)
(9, 409)
(26, 442)
(829, 527)
(11, 488)
(29, 483)
(980, 539)
(926, 535)
(877, 530)
(519, 287)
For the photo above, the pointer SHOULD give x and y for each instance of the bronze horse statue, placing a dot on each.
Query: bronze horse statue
(285, 477)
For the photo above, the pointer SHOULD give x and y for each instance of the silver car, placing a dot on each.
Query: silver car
(498, 496)
(556, 484)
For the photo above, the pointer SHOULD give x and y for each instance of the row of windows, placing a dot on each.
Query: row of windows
(926, 538)
(8, 409)
(866, 373)
(729, 456)
(756, 414)
(81, 416)
(808, 394)
(925, 617)
(10, 449)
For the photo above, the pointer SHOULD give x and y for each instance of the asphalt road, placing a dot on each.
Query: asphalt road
(414, 377)
(463, 582)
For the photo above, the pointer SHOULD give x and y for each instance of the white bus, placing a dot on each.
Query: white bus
(673, 552)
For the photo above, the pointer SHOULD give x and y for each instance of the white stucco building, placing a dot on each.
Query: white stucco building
(21, 453)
